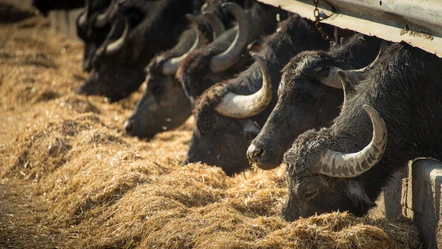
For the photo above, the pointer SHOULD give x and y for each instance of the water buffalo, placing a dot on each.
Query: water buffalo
(305, 99)
(118, 68)
(227, 55)
(225, 126)
(91, 36)
(164, 105)
(345, 166)
(95, 23)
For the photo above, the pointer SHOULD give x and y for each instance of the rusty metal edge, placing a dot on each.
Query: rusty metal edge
(356, 22)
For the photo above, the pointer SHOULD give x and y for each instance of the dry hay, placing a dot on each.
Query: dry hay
(88, 185)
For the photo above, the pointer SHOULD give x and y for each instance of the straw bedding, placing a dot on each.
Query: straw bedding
(71, 178)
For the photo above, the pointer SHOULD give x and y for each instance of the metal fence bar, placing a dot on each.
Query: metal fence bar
(417, 22)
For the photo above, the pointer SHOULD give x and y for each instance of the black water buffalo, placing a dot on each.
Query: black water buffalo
(95, 22)
(305, 99)
(46, 5)
(228, 118)
(92, 37)
(118, 68)
(227, 55)
(164, 105)
(345, 166)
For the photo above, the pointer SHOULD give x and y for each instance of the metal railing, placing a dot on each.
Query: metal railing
(417, 22)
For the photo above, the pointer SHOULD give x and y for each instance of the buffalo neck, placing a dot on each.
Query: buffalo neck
(404, 88)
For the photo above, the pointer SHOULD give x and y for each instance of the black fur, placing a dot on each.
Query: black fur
(164, 106)
(194, 72)
(221, 141)
(119, 75)
(405, 88)
(303, 102)
(44, 6)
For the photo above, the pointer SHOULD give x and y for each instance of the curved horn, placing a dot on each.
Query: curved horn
(82, 18)
(171, 66)
(216, 23)
(337, 164)
(226, 59)
(357, 73)
(118, 44)
(244, 106)
(347, 85)
(333, 79)
(103, 18)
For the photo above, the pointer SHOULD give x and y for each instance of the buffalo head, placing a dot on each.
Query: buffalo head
(119, 63)
(310, 95)
(92, 37)
(164, 105)
(228, 115)
(305, 101)
(227, 55)
(105, 72)
(321, 178)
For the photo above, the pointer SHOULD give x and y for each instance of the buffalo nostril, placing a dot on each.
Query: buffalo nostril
(128, 126)
(254, 152)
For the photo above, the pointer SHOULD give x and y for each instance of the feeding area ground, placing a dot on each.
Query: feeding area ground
(71, 178)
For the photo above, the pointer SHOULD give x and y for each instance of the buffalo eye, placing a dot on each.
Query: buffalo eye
(205, 128)
(310, 194)
(303, 97)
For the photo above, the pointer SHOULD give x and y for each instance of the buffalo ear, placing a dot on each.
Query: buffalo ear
(255, 46)
(250, 127)
(356, 193)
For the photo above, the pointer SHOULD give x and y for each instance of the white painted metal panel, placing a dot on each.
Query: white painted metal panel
(417, 22)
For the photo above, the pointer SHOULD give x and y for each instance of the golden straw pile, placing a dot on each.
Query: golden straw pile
(71, 178)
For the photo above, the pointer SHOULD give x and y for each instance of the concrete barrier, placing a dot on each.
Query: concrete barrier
(61, 20)
(65, 22)
(415, 192)
(422, 200)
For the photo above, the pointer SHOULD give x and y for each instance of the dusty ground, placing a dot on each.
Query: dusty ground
(71, 178)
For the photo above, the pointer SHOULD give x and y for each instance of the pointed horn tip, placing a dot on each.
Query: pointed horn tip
(374, 114)
(190, 17)
(370, 110)
(230, 5)
(115, 46)
(103, 19)
(194, 20)
(382, 48)
(206, 12)
(257, 57)
(341, 73)
(100, 51)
